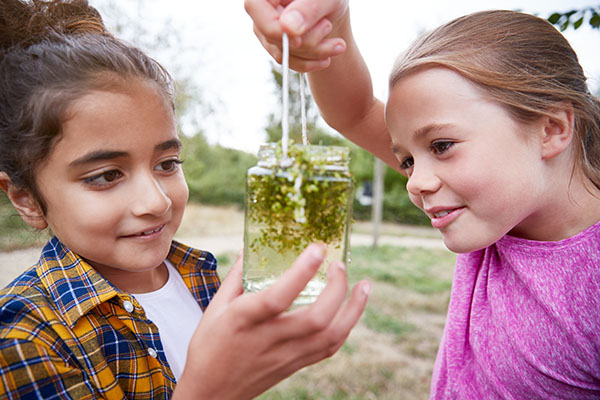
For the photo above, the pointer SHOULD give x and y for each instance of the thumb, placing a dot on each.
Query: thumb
(301, 15)
(232, 284)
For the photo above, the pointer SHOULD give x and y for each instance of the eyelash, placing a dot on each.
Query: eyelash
(437, 148)
(175, 161)
(93, 180)
(404, 164)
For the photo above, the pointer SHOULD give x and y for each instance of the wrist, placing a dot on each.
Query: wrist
(192, 387)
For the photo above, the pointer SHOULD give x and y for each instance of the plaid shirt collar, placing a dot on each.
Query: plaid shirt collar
(76, 288)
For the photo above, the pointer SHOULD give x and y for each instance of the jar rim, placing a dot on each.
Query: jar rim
(334, 157)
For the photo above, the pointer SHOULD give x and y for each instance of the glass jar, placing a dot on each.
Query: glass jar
(291, 202)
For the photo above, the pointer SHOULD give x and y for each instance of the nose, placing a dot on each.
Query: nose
(422, 180)
(150, 197)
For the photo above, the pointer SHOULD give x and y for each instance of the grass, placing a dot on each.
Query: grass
(380, 322)
(416, 269)
(391, 352)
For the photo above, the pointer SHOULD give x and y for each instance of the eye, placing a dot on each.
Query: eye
(406, 163)
(105, 178)
(171, 165)
(440, 147)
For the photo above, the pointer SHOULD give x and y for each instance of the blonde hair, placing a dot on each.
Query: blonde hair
(522, 62)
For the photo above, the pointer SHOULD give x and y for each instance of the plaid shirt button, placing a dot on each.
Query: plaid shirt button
(152, 352)
(128, 306)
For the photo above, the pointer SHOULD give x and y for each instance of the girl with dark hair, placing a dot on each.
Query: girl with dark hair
(115, 308)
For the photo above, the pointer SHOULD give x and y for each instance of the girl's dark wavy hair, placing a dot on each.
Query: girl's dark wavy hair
(51, 54)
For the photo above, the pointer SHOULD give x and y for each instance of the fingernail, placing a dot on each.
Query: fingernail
(318, 250)
(324, 63)
(366, 288)
(294, 21)
(338, 49)
(340, 265)
(327, 28)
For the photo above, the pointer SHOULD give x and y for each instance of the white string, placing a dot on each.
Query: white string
(284, 114)
(303, 110)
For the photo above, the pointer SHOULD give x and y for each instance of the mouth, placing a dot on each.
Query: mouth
(154, 231)
(441, 218)
(441, 214)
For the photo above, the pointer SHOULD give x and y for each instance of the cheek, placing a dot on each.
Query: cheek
(485, 192)
(185, 190)
(88, 219)
(179, 192)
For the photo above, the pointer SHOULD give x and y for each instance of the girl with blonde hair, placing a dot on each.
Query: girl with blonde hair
(491, 119)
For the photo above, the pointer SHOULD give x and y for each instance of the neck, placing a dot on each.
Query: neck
(135, 281)
(572, 207)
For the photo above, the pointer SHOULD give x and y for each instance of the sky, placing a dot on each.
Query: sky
(226, 60)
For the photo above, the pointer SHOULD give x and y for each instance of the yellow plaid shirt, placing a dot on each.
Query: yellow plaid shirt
(67, 333)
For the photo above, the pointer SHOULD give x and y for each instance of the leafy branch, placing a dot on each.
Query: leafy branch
(576, 18)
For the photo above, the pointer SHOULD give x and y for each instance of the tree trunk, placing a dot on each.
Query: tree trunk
(376, 212)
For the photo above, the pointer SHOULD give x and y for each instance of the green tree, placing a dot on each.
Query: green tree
(215, 174)
(575, 18)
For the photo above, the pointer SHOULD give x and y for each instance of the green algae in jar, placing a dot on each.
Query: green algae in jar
(290, 203)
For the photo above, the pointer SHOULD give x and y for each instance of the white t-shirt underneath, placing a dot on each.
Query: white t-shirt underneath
(176, 313)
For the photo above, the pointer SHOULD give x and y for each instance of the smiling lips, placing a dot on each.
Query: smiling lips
(441, 214)
(148, 233)
(442, 218)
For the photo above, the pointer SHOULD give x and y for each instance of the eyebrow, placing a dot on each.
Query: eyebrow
(168, 145)
(423, 131)
(100, 155)
(104, 155)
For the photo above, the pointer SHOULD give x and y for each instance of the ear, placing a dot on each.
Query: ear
(557, 131)
(27, 207)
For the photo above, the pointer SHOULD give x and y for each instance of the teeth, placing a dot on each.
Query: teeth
(441, 214)
(148, 232)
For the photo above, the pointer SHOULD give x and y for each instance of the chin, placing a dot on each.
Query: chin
(464, 247)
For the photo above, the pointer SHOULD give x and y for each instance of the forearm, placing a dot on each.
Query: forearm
(344, 94)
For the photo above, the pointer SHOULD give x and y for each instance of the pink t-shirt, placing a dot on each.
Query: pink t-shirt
(523, 322)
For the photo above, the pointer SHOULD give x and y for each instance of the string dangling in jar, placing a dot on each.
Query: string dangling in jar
(285, 102)
(285, 97)
(303, 110)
